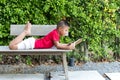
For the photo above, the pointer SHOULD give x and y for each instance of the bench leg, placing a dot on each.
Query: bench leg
(65, 66)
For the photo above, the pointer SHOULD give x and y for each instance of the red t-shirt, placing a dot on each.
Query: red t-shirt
(47, 41)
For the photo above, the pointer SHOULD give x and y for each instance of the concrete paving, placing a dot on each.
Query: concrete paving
(113, 76)
(78, 75)
(21, 77)
(73, 75)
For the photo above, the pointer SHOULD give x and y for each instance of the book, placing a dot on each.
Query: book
(76, 42)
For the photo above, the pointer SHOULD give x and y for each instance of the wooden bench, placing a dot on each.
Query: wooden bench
(37, 30)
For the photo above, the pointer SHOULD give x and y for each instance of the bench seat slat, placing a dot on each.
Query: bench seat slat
(5, 49)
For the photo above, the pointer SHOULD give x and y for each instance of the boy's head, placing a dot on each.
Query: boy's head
(63, 27)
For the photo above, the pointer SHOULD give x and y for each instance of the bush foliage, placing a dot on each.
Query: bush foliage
(96, 21)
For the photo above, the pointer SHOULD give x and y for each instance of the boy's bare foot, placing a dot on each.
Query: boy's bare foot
(27, 28)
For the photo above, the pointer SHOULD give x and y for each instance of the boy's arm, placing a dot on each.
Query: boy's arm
(64, 46)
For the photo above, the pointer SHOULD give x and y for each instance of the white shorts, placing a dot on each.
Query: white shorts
(27, 44)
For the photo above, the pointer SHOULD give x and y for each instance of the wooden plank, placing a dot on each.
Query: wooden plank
(65, 66)
(30, 53)
(6, 51)
(40, 30)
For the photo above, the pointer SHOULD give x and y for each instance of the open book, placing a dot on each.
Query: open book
(76, 42)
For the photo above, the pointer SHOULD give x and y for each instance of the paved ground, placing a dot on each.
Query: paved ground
(78, 75)
(102, 68)
(73, 75)
(113, 76)
(21, 77)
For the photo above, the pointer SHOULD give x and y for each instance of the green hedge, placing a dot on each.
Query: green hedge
(96, 21)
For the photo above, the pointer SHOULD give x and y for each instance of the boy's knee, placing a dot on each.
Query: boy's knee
(12, 47)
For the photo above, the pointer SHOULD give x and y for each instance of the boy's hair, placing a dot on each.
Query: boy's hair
(62, 23)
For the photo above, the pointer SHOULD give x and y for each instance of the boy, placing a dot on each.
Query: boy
(50, 40)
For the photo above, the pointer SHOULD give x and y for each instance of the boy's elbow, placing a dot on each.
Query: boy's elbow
(57, 46)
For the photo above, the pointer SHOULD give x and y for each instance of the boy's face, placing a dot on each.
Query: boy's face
(63, 30)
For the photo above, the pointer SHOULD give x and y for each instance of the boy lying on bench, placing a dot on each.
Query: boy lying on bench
(50, 40)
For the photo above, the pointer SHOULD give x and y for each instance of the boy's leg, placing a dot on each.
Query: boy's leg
(27, 31)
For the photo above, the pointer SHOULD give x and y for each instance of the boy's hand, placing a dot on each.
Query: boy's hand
(71, 46)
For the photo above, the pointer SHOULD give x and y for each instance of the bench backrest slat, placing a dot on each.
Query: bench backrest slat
(40, 30)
